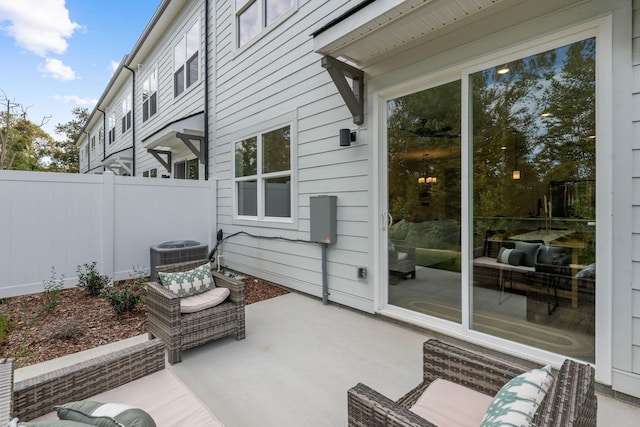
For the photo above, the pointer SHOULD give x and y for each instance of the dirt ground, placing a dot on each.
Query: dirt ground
(34, 333)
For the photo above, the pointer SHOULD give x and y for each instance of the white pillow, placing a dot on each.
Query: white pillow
(517, 401)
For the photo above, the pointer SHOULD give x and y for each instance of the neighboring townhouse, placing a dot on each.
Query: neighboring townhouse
(152, 111)
(483, 156)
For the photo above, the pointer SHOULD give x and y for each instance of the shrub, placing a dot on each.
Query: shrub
(53, 290)
(92, 281)
(122, 300)
(70, 329)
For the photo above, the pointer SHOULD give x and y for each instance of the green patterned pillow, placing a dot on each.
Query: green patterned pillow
(517, 401)
(187, 283)
(104, 414)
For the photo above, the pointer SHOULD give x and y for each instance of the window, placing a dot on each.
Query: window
(253, 16)
(187, 169)
(126, 113)
(150, 96)
(151, 173)
(93, 143)
(185, 60)
(112, 128)
(263, 174)
(101, 136)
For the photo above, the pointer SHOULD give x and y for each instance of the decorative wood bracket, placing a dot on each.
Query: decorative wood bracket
(157, 153)
(199, 152)
(353, 95)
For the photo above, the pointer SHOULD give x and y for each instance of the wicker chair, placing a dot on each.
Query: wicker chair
(570, 401)
(183, 331)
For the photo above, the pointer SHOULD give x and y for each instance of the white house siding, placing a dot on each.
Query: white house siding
(170, 108)
(635, 202)
(275, 80)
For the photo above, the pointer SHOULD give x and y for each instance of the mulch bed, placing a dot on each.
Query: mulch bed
(34, 333)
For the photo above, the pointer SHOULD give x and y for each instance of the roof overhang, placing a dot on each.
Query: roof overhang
(120, 163)
(373, 31)
(168, 137)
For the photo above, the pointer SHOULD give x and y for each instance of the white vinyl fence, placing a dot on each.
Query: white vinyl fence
(66, 220)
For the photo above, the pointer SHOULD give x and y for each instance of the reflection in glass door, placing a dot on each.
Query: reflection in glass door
(533, 142)
(424, 182)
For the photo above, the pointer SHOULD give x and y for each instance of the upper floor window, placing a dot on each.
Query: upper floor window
(150, 95)
(253, 16)
(112, 128)
(126, 113)
(101, 136)
(263, 174)
(185, 60)
(93, 143)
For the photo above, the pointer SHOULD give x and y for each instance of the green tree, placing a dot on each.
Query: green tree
(65, 154)
(23, 144)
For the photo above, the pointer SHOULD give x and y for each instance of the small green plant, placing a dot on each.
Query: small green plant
(70, 329)
(4, 325)
(53, 290)
(92, 281)
(122, 300)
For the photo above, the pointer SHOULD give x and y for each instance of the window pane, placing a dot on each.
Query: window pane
(277, 197)
(153, 105)
(193, 40)
(178, 82)
(276, 150)
(179, 54)
(534, 170)
(275, 9)
(424, 185)
(248, 24)
(192, 67)
(247, 198)
(193, 169)
(247, 157)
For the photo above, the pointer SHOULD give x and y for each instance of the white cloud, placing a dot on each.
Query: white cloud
(56, 69)
(75, 99)
(38, 26)
(114, 66)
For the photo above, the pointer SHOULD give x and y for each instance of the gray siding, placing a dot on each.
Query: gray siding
(264, 84)
(635, 200)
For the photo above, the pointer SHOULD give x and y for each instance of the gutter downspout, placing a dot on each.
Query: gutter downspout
(104, 140)
(206, 89)
(133, 120)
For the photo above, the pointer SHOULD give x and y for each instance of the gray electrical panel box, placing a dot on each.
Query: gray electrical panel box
(323, 219)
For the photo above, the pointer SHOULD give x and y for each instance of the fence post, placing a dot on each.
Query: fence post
(108, 223)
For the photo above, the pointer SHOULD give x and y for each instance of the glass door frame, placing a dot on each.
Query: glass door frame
(601, 29)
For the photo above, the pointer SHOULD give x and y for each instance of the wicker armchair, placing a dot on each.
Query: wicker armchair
(570, 401)
(183, 331)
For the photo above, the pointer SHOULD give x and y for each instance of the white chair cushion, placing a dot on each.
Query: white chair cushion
(447, 404)
(204, 300)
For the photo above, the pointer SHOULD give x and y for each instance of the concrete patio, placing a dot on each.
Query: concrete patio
(298, 360)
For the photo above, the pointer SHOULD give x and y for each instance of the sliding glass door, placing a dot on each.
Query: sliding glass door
(530, 154)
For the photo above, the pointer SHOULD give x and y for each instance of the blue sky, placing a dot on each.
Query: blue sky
(58, 55)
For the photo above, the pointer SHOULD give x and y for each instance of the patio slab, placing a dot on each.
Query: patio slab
(300, 357)
(298, 361)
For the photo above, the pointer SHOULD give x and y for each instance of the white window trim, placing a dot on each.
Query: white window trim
(288, 119)
(602, 30)
(126, 105)
(263, 32)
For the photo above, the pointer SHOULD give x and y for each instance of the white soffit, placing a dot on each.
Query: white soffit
(386, 26)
